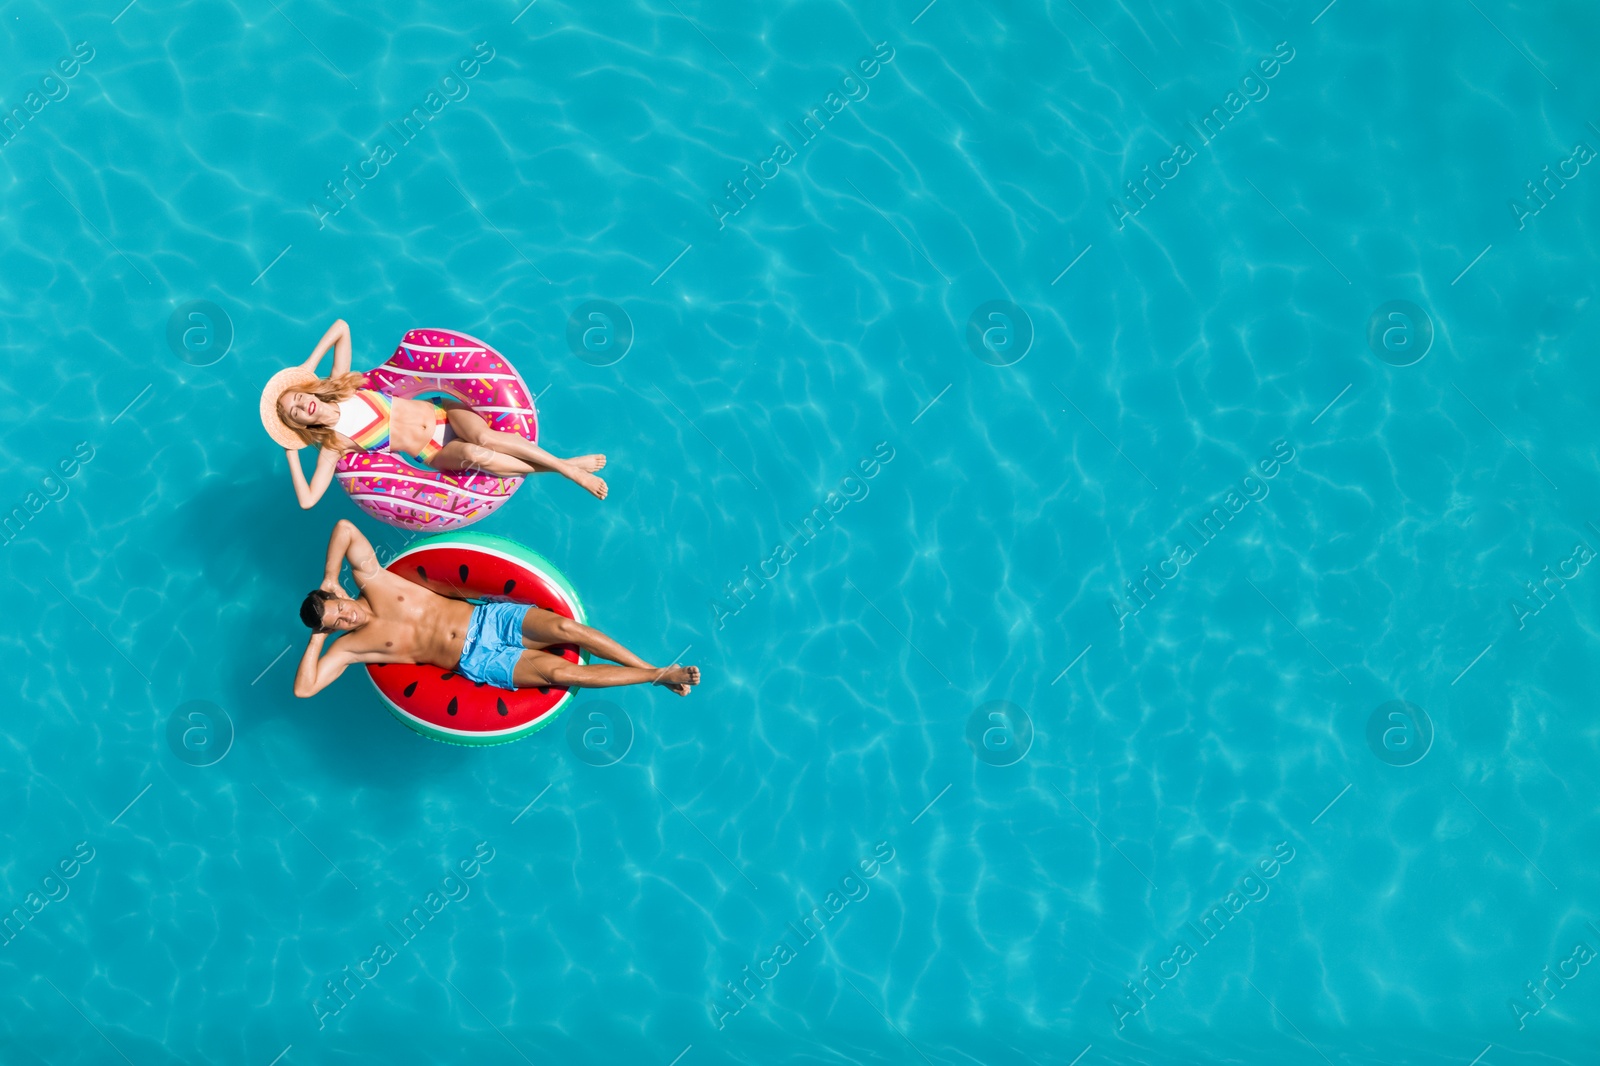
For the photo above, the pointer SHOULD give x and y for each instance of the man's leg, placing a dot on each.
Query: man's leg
(542, 628)
(540, 669)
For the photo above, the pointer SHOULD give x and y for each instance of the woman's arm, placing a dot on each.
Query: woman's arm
(321, 477)
(337, 338)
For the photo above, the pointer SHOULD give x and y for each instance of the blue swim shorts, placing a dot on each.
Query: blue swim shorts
(494, 644)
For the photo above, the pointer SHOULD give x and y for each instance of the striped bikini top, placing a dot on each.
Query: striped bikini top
(364, 418)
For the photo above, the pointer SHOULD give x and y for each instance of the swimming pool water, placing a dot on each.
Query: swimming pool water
(1124, 639)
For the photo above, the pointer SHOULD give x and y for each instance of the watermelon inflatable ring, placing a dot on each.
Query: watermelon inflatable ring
(442, 704)
(427, 364)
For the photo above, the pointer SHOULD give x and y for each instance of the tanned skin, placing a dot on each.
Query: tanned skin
(411, 423)
(396, 621)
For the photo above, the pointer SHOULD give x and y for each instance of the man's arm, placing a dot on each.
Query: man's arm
(348, 543)
(316, 674)
(337, 338)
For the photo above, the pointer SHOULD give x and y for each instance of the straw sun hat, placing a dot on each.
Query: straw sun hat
(287, 380)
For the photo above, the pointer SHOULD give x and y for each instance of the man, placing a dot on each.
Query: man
(500, 644)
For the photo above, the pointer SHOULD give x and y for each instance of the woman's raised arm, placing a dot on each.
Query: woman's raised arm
(337, 338)
(321, 477)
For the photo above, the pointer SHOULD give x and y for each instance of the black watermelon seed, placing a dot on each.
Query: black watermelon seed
(479, 684)
(447, 675)
(422, 573)
(500, 705)
(452, 708)
(463, 571)
(510, 585)
(411, 689)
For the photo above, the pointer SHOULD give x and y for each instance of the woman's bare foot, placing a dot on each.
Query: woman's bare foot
(593, 484)
(591, 463)
(679, 678)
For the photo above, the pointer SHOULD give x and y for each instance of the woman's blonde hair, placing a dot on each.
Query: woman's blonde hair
(332, 390)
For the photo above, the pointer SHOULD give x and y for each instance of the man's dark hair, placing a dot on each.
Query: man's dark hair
(311, 609)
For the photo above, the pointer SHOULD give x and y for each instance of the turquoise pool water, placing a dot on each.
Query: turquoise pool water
(1145, 648)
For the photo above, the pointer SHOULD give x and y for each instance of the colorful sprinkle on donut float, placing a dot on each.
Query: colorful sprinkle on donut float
(442, 704)
(427, 361)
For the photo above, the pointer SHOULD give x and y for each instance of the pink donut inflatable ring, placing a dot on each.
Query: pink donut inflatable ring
(412, 497)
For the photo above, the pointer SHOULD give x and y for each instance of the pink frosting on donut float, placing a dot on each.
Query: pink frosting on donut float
(440, 360)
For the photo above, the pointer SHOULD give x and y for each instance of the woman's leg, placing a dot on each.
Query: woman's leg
(473, 428)
(464, 455)
(470, 426)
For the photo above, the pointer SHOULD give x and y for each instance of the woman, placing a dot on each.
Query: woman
(338, 414)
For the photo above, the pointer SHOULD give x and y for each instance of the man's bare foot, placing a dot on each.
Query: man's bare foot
(593, 484)
(679, 678)
(591, 463)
